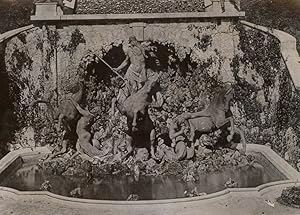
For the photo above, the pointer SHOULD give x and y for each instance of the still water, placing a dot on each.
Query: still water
(31, 177)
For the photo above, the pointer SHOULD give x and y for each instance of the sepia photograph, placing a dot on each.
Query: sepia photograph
(149, 107)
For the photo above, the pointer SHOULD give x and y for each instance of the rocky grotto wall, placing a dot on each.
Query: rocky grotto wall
(47, 61)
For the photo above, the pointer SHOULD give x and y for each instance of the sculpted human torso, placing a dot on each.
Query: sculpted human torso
(137, 59)
(84, 127)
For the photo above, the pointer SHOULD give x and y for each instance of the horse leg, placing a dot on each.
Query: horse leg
(78, 151)
(224, 122)
(129, 125)
(113, 106)
(134, 121)
(192, 132)
(60, 122)
(230, 119)
(62, 151)
(118, 101)
(152, 140)
(243, 140)
(231, 125)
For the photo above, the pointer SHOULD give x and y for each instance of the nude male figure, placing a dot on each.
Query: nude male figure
(136, 72)
(83, 131)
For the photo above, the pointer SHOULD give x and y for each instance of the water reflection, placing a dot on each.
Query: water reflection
(30, 178)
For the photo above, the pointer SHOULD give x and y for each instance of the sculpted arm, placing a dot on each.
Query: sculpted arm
(123, 64)
(80, 110)
(243, 140)
(143, 47)
(180, 151)
(172, 131)
(175, 134)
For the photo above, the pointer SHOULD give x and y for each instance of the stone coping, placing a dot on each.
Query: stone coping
(280, 164)
(8, 159)
(11, 193)
(288, 49)
(138, 16)
(292, 175)
(14, 32)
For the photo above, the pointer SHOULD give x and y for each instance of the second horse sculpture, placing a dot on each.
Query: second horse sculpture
(214, 117)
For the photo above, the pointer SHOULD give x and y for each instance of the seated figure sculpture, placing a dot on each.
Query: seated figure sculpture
(178, 135)
(84, 134)
(180, 150)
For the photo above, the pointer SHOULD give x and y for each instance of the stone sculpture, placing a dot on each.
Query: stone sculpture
(142, 109)
(135, 108)
(212, 118)
(67, 116)
(136, 72)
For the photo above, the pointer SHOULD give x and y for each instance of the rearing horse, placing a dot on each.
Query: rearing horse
(213, 117)
(135, 108)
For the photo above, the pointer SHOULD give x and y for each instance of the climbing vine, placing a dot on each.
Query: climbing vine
(76, 38)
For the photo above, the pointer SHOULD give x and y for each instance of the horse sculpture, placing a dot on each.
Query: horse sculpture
(135, 108)
(212, 118)
(67, 115)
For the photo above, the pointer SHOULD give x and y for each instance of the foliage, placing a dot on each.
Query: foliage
(53, 37)
(76, 38)
(136, 6)
(14, 14)
(19, 61)
(204, 42)
(290, 197)
(22, 37)
(280, 14)
(259, 53)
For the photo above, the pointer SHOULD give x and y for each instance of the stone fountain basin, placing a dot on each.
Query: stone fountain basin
(15, 159)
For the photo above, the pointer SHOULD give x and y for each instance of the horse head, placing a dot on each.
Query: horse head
(222, 98)
(152, 84)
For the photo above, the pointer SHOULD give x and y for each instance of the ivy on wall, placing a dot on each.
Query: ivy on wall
(76, 38)
(261, 53)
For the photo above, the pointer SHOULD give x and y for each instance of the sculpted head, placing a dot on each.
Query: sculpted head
(152, 82)
(132, 40)
(142, 154)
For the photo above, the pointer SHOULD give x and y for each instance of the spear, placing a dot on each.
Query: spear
(111, 68)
